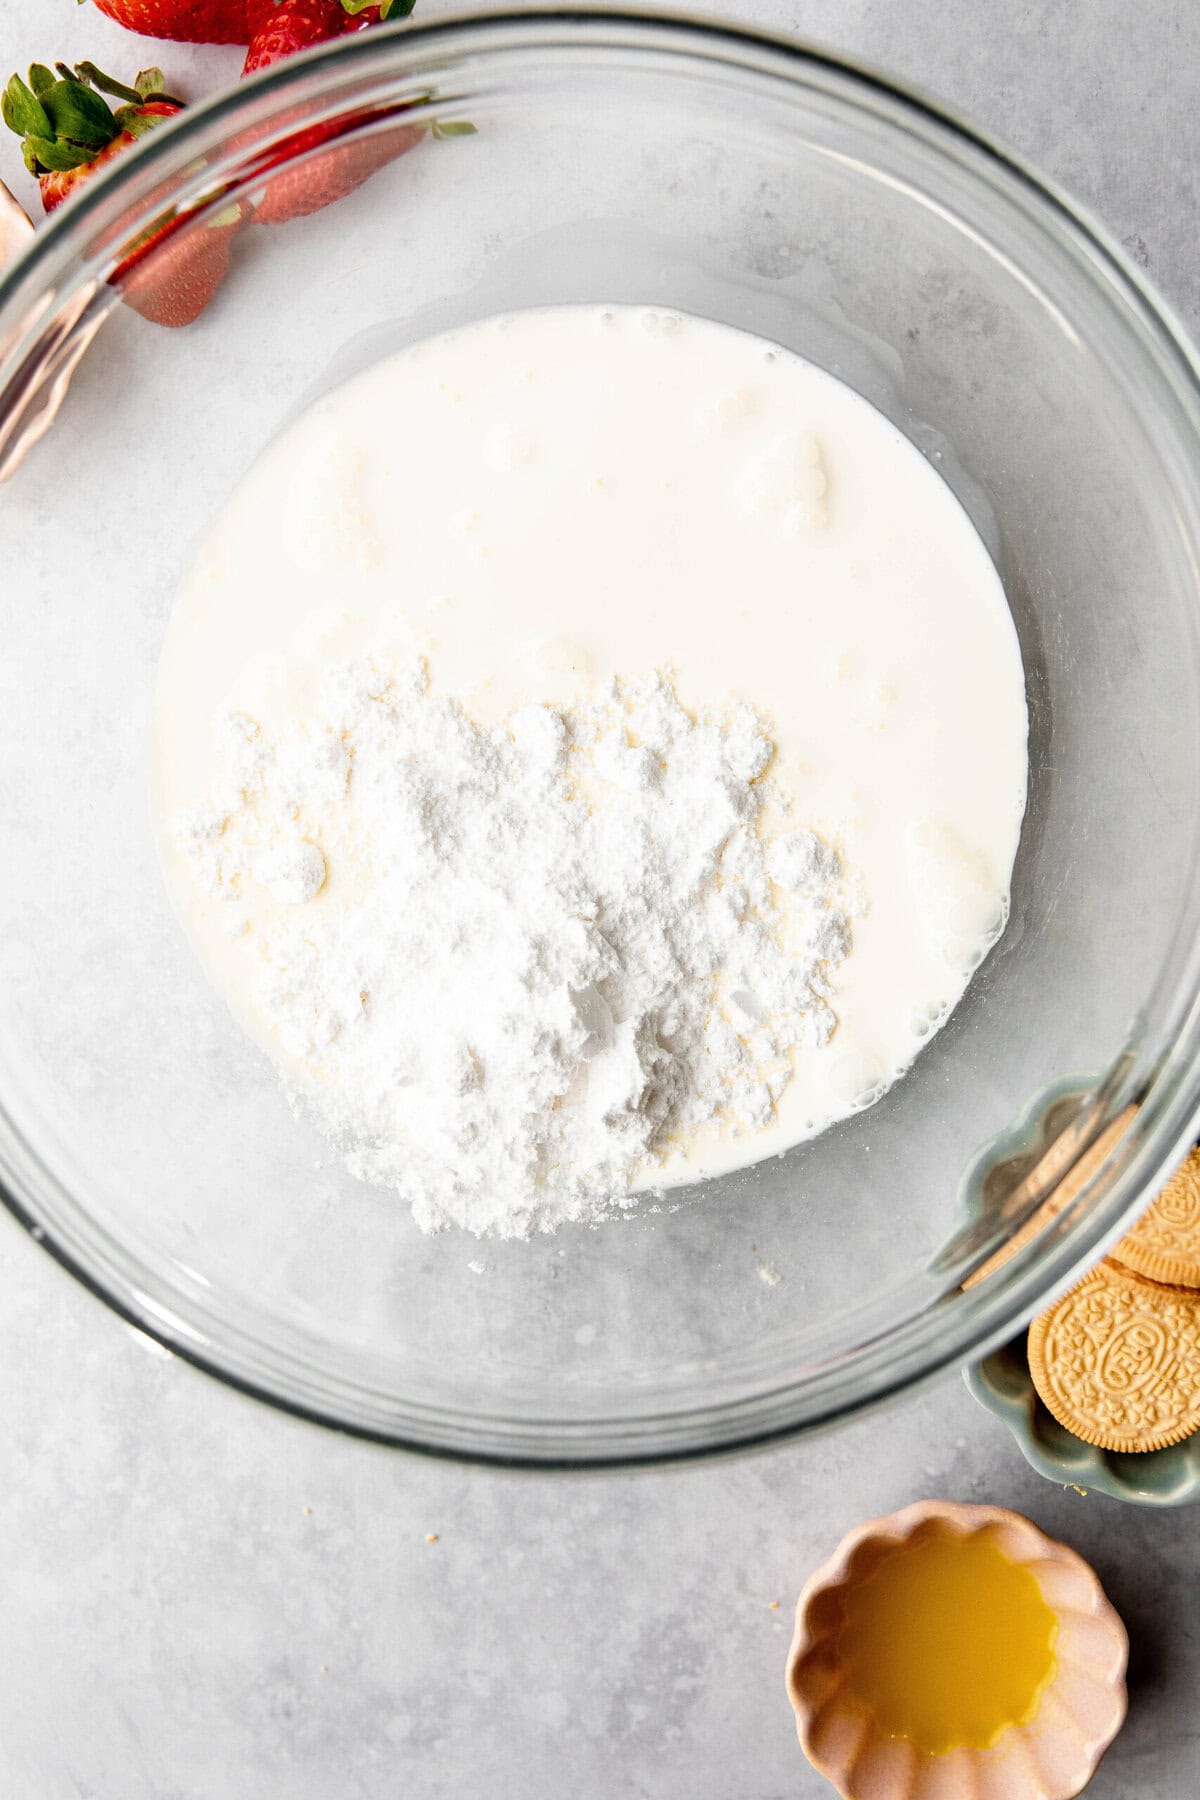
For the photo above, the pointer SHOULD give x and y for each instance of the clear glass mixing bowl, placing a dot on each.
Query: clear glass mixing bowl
(623, 158)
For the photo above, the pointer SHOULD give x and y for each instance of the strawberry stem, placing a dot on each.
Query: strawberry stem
(149, 85)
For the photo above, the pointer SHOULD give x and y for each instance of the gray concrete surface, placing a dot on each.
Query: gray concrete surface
(204, 1601)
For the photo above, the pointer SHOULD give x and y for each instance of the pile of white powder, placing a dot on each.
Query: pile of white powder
(508, 968)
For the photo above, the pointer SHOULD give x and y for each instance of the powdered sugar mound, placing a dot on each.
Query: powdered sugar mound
(545, 952)
(293, 872)
(801, 860)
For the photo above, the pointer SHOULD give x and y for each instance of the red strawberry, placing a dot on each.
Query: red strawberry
(69, 131)
(299, 24)
(307, 186)
(197, 21)
(285, 26)
(173, 275)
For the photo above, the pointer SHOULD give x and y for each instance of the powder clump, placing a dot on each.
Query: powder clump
(510, 967)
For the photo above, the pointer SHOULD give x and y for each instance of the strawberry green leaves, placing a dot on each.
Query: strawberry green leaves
(388, 9)
(77, 114)
(62, 123)
(23, 111)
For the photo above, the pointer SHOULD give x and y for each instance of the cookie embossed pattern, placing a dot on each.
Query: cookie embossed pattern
(1164, 1245)
(1118, 1361)
(1106, 1395)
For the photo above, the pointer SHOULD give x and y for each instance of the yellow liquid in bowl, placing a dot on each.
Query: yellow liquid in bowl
(948, 1643)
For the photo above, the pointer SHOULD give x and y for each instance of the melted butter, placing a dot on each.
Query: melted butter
(948, 1643)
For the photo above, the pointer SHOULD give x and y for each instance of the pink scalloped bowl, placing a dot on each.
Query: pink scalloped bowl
(1051, 1758)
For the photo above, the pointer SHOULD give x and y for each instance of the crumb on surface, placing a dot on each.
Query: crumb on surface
(431, 1537)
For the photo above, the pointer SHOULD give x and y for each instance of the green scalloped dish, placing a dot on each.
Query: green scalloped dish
(1002, 1383)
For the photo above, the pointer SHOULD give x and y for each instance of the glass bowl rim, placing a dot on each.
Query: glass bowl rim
(919, 1347)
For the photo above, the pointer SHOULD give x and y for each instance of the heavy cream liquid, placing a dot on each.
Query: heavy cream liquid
(540, 501)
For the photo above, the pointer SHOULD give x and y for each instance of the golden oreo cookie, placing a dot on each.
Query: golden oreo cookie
(1165, 1243)
(1117, 1360)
